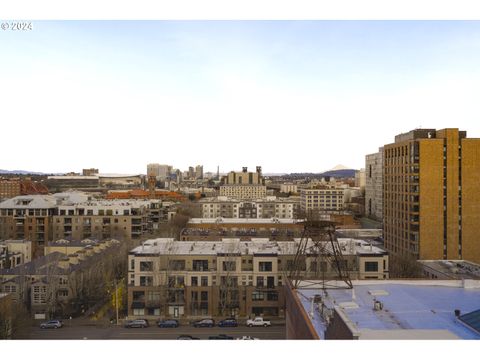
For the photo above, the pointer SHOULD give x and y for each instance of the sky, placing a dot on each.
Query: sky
(290, 96)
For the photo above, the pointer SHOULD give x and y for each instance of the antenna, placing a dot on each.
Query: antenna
(321, 246)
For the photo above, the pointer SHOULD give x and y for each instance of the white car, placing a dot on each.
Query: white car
(258, 321)
(246, 337)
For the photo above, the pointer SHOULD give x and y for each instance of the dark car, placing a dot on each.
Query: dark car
(187, 337)
(139, 323)
(228, 323)
(168, 323)
(220, 337)
(52, 324)
(204, 323)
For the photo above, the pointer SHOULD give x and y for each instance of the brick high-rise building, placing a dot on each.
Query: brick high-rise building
(431, 197)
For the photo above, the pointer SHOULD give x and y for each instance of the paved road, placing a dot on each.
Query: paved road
(106, 332)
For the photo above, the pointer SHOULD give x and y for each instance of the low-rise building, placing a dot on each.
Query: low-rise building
(228, 277)
(63, 281)
(269, 207)
(385, 310)
(450, 269)
(14, 253)
(322, 199)
(288, 188)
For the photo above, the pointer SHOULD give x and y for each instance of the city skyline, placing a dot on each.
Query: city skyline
(291, 96)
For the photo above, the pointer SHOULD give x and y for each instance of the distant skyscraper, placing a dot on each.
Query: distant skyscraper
(374, 185)
(199, 172)
(161, 172)
(431, 195)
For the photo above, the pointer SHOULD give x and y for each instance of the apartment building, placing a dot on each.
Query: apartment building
(244, 228)
(244, 185)
(322, 198)
(28, 217)
(270, 207)
(118, 219)
(14, 253)
(75, 216)
(288, 188)
(224, 278)
(50, 285)
(431, 198)
(244, 192)
(9, 188)
(374, 185)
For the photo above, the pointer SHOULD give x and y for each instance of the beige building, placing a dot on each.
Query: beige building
(374, 185)
(288, 188)
(431, 195)
(228, 277)
(269, 207)
(244, 192)
(14, 253)
(322, 199)
(9, 188)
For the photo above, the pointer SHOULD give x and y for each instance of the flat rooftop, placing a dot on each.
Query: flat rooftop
(243, 221)
(414, 309)
(454, 269)
(235, 245)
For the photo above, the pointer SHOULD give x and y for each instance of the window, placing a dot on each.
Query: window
(229, 266)
(146, 280)
(265, 266)
(272, 296)
(204, 296)
(138, 311)
(204, 280)
(194, 280)
(146, 266)
(176, 264)
(371, 266)
(257, 296)
(200, 265)
(260, 282)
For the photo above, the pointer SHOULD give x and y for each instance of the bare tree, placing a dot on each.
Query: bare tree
(404, 266)
(228, 291)
(15, 320)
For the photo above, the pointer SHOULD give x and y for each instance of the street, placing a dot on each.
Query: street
(92, 330)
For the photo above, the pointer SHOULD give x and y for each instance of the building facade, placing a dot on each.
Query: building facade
(244, 192)
(322, 199)
(9, 188)
(431, 197)
(374, 185)
(222, 278)
(270, 207)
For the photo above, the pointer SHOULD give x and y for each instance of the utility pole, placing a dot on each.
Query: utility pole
(116, 300)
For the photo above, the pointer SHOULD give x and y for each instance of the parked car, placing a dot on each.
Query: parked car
(187, 337)
(52, 324)
(204, 323)
(258, 321)
(220, 337)
(228, 323)
(139, 323)
(247, 337)
(168, 323)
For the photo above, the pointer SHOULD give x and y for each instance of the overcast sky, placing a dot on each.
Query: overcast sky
(290, 96)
